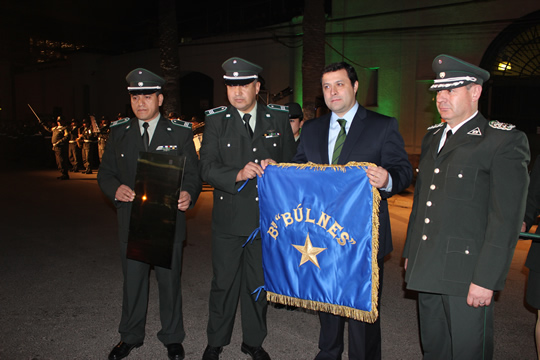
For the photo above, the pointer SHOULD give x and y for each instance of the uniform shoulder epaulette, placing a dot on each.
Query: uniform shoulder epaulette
(278, 107)
(119, 122)
(501, 126)
(214, 111)
(182, 123)
(435, 126)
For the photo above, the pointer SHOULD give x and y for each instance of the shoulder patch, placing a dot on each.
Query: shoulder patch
(278, 107)
(435, 126)
(501, 126)
(214, 111)
(120, 122)
(182, 123)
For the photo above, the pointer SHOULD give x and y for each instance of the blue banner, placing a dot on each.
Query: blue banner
(319, 227)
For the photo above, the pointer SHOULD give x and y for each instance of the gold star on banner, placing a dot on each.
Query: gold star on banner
(309, 253)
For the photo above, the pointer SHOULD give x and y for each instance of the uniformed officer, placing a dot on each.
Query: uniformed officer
(89, 139)
(74, 157)
(103, 135)
(469, 202)
(239, 141)
(59, 140)
(296, 118)
(148, 131)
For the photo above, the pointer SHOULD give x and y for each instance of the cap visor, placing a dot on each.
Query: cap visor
(143, 92)
(238, 82)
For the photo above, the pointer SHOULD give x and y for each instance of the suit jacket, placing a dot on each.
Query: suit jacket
(532, 210)
(119, 165)
(227, 148)
(468, 208)
(373, 138)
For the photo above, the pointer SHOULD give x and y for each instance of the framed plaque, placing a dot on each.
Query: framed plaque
(153, 215)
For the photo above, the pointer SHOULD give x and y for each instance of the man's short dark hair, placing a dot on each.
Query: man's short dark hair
(351, 72)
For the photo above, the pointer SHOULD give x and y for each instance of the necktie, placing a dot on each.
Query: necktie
(339, 141)
(145, 136)
(246, 118)
(448, 134)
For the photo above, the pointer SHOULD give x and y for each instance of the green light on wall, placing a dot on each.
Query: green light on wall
(297, 84)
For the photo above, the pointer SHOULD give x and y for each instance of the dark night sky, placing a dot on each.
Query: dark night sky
(123, 26)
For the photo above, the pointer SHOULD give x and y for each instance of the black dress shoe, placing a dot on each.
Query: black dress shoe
(212, 353)
(175, 351)
(63, 177)
(122, 349)
(256, 352)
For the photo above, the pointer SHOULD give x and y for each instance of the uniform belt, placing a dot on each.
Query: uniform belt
(72, 141)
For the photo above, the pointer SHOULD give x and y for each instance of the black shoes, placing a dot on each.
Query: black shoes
(63, 177)
(212, 353)
(256, 352)
(175, 351)
(122, 349)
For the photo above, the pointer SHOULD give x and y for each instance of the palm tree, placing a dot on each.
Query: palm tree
(170, 59)
(313, 58)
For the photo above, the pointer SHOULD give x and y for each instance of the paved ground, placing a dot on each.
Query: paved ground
(60, 283)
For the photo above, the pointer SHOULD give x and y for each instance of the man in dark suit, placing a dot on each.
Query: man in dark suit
(369, 137)
(468, 208)
(239, 141)
(116, 177)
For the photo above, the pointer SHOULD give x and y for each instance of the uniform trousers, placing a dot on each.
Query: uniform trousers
(73, 156)
(237, 272)
(364, 338)
(60, 154)
(451, 329)
(86, 155)
(135, 299)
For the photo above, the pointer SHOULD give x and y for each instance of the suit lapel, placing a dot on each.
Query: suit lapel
(161, 134)
(437, 134)
(353, 135)
(464, 135)
(133, 135)
(323, 138)
(238, 123)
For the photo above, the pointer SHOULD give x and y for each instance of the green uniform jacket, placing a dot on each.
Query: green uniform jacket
(227, 148)
(119, 165)
(468, 208)
(532, 210)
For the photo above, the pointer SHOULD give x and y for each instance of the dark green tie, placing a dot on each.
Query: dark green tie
(246, 118)
(146, 136)
(339, 141)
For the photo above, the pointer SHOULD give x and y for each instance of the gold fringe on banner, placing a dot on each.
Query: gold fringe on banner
(345, 311)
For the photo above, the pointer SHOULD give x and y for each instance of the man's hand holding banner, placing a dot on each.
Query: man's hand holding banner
(319, 227)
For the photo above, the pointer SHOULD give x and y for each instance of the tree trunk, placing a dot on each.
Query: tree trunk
(313, 56)
(170, 59)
